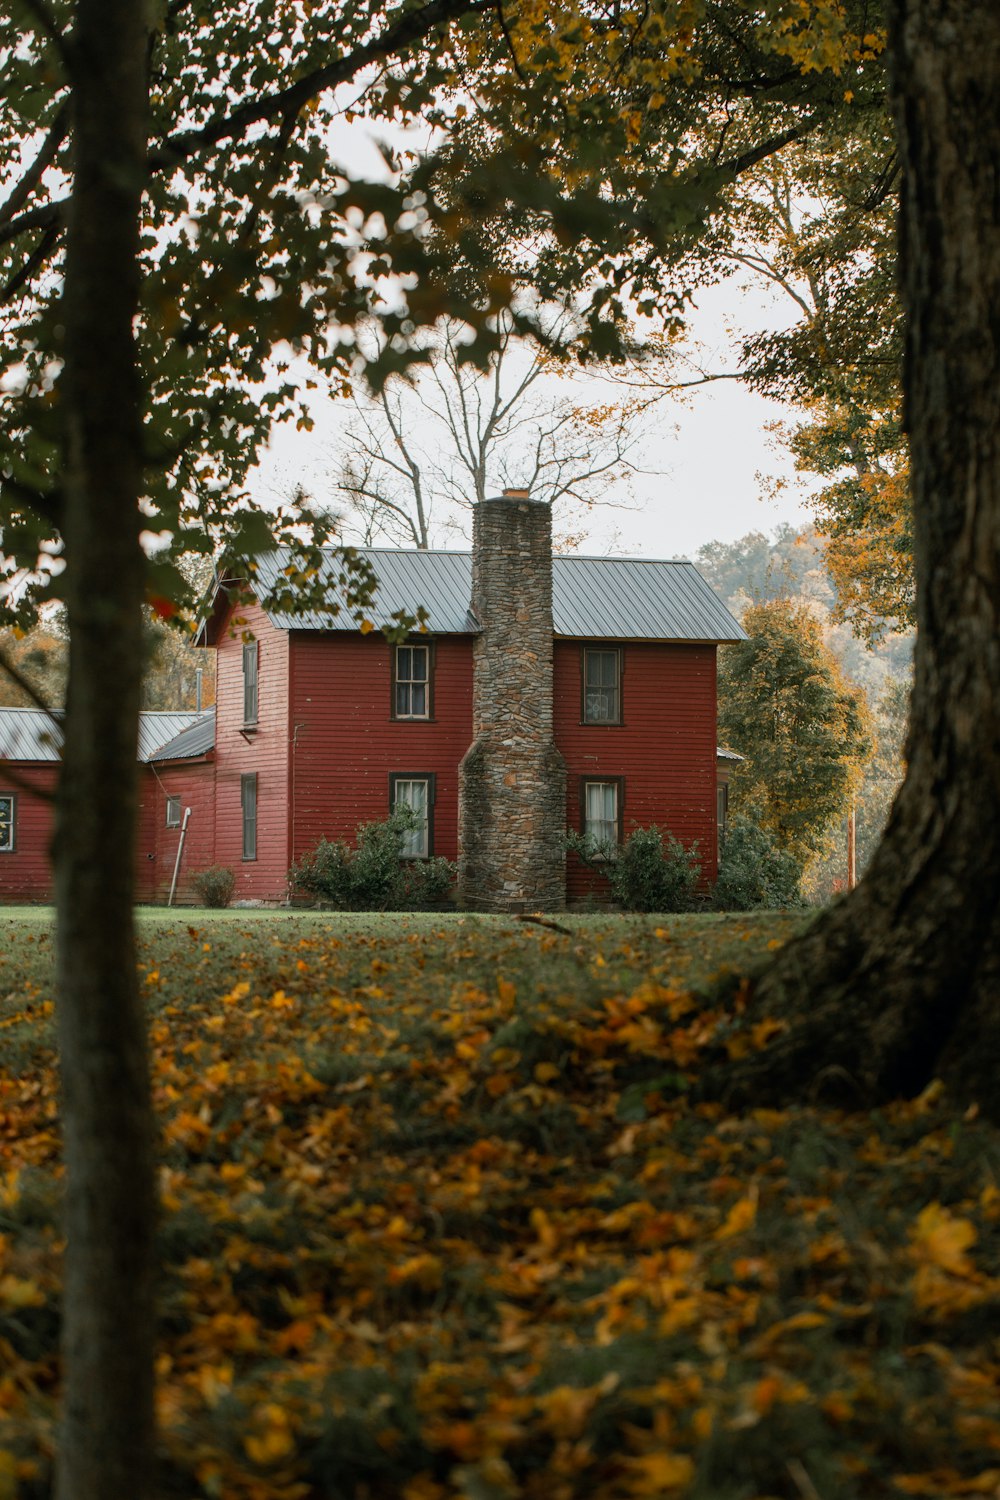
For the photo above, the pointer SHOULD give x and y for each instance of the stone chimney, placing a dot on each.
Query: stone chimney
(512, 779)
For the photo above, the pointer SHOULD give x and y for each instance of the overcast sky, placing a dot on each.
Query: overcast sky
(707, 458)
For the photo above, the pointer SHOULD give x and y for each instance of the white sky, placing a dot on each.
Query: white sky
(707, 459)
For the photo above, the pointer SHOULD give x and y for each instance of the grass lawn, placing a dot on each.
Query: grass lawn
(441, 1220)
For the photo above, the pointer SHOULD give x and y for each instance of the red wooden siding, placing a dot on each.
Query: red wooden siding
(25, 872)
(664, 748)
(264, 751)
(345, 744)
(194, 783)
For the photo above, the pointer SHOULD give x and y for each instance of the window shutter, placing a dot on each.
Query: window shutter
(248, 798)
(250, 659)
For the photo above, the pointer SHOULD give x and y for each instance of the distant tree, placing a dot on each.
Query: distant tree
(804, 732)
(36, 666)
(419, 453)
(169, 680)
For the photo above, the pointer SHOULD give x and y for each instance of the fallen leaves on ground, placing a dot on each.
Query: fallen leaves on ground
(441, 1222)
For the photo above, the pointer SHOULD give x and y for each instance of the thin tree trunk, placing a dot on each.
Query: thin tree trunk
(107, 1428)
(901, 981)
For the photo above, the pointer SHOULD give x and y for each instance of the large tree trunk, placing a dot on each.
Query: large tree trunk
(901, 981)
(107, 1425)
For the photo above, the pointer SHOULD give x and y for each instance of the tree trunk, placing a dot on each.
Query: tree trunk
(900, 982)
(107, 1428)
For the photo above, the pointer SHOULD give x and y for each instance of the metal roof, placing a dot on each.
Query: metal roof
(600, 598)
(197, 739)
(29, 734)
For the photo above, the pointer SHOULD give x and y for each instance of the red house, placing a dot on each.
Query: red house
(548, 693)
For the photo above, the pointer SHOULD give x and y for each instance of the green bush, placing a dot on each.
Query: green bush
(754, 872)
(649, 872)
(214, 886)
(370, 875)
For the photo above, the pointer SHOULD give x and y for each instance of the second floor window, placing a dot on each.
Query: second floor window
(250, 662)
(411, 686)
(173, 812)
(602, 685)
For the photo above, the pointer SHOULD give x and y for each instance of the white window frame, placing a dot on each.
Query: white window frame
(173, 811)
(404, 688)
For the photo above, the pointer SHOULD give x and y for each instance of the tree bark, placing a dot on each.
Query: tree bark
(900, 982)
(107, 1428)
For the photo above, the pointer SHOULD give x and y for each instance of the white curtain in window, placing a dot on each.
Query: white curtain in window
(414, 794)
(602, 812)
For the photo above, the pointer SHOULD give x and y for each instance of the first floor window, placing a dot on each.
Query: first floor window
(248, 799)
(722, 812)
(411, 689)
(601, 812)
(416, 792)
(173, 812)
(8, 805)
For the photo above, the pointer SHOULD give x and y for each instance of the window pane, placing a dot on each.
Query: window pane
(414, 794)
(601, 672)
(601, 812)
(412, 682)
(173, 812)
(6, 824)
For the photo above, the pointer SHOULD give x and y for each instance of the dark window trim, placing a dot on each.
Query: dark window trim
(619, 782)
(431, 779)
(11, 848)
(173, 805)
(428, 717)
(251, 681)
(248, 779)
(620, 653)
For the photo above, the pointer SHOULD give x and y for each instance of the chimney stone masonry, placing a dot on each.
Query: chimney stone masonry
(512, 779)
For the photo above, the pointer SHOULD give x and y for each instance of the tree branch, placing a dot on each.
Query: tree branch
(414, 27)
(49, 506)
(22, 190)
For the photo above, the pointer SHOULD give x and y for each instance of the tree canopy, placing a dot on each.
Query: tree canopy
(804, 732)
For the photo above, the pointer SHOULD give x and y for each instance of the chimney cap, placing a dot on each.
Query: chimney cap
(512, 494)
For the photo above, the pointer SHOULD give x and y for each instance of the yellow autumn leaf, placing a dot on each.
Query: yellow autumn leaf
(273, 1438)
(740, 1217)
(15, 1293)
(658, 1473)
(366, 627)
(939, 1238)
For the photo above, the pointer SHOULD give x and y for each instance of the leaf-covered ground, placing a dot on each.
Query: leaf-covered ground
(440, 1220)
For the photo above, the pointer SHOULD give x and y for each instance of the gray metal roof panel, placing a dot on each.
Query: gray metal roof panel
(198, 738)
(29, 734)
(606, 598)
